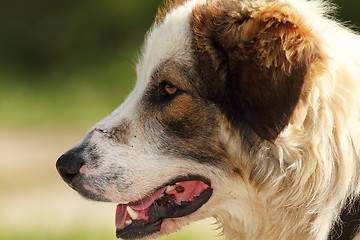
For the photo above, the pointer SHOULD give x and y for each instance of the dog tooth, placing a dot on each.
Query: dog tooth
(169, 188)
(133, 214)
(128, 222)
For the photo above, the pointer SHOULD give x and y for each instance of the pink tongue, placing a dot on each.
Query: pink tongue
(146, 202)
(191, 189)
(121, 216)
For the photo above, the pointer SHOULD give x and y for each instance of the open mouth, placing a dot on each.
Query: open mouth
(178, 198)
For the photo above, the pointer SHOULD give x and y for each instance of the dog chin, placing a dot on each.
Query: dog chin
(170, 226)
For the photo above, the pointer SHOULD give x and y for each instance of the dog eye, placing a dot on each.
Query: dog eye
(167, 91)
(170, 89)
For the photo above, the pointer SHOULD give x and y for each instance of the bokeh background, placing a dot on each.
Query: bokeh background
(64, 65)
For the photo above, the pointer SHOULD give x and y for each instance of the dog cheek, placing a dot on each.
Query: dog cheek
(188, 117)
(107, 181)
(91, 189)
(194, 137)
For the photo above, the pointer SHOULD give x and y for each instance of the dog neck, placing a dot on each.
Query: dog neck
(244, 214)
(239, 221)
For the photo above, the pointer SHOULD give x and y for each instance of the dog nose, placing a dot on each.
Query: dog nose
(69, 164)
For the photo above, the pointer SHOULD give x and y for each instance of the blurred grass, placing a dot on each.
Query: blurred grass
(65, 97)
(75, 234)
(91, 234)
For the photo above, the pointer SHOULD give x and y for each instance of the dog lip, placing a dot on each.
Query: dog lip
(177, 198)
(139, 229)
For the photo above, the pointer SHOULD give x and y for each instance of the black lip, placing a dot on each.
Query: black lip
(163, 209)
(139, 229)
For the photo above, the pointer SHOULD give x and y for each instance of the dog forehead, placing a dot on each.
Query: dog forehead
(170, 39)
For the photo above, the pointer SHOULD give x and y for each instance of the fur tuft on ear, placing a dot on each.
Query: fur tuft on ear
(267, 54)
(167, 6)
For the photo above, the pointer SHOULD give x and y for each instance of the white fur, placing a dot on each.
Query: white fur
(170, 39)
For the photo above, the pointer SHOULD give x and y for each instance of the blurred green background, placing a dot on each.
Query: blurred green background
(63, 66)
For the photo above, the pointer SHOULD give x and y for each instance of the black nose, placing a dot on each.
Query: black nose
(69, 164)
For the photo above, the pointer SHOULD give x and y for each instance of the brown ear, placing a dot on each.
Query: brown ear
(267, 56)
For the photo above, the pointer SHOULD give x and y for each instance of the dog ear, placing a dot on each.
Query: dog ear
(265, 56)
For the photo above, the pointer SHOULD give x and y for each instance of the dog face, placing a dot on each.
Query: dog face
(217, 83)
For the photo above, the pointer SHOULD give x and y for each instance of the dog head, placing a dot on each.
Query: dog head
(217, 84)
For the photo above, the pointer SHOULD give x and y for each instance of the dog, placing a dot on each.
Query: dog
(243, 110)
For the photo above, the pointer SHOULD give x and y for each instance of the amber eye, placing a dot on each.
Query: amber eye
(170, 89)
(167, 91)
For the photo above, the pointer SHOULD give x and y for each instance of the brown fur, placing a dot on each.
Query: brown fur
(121, 132)
(166, 8)
(270, 43)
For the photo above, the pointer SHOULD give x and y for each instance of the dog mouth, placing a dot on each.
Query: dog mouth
(178, 198)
